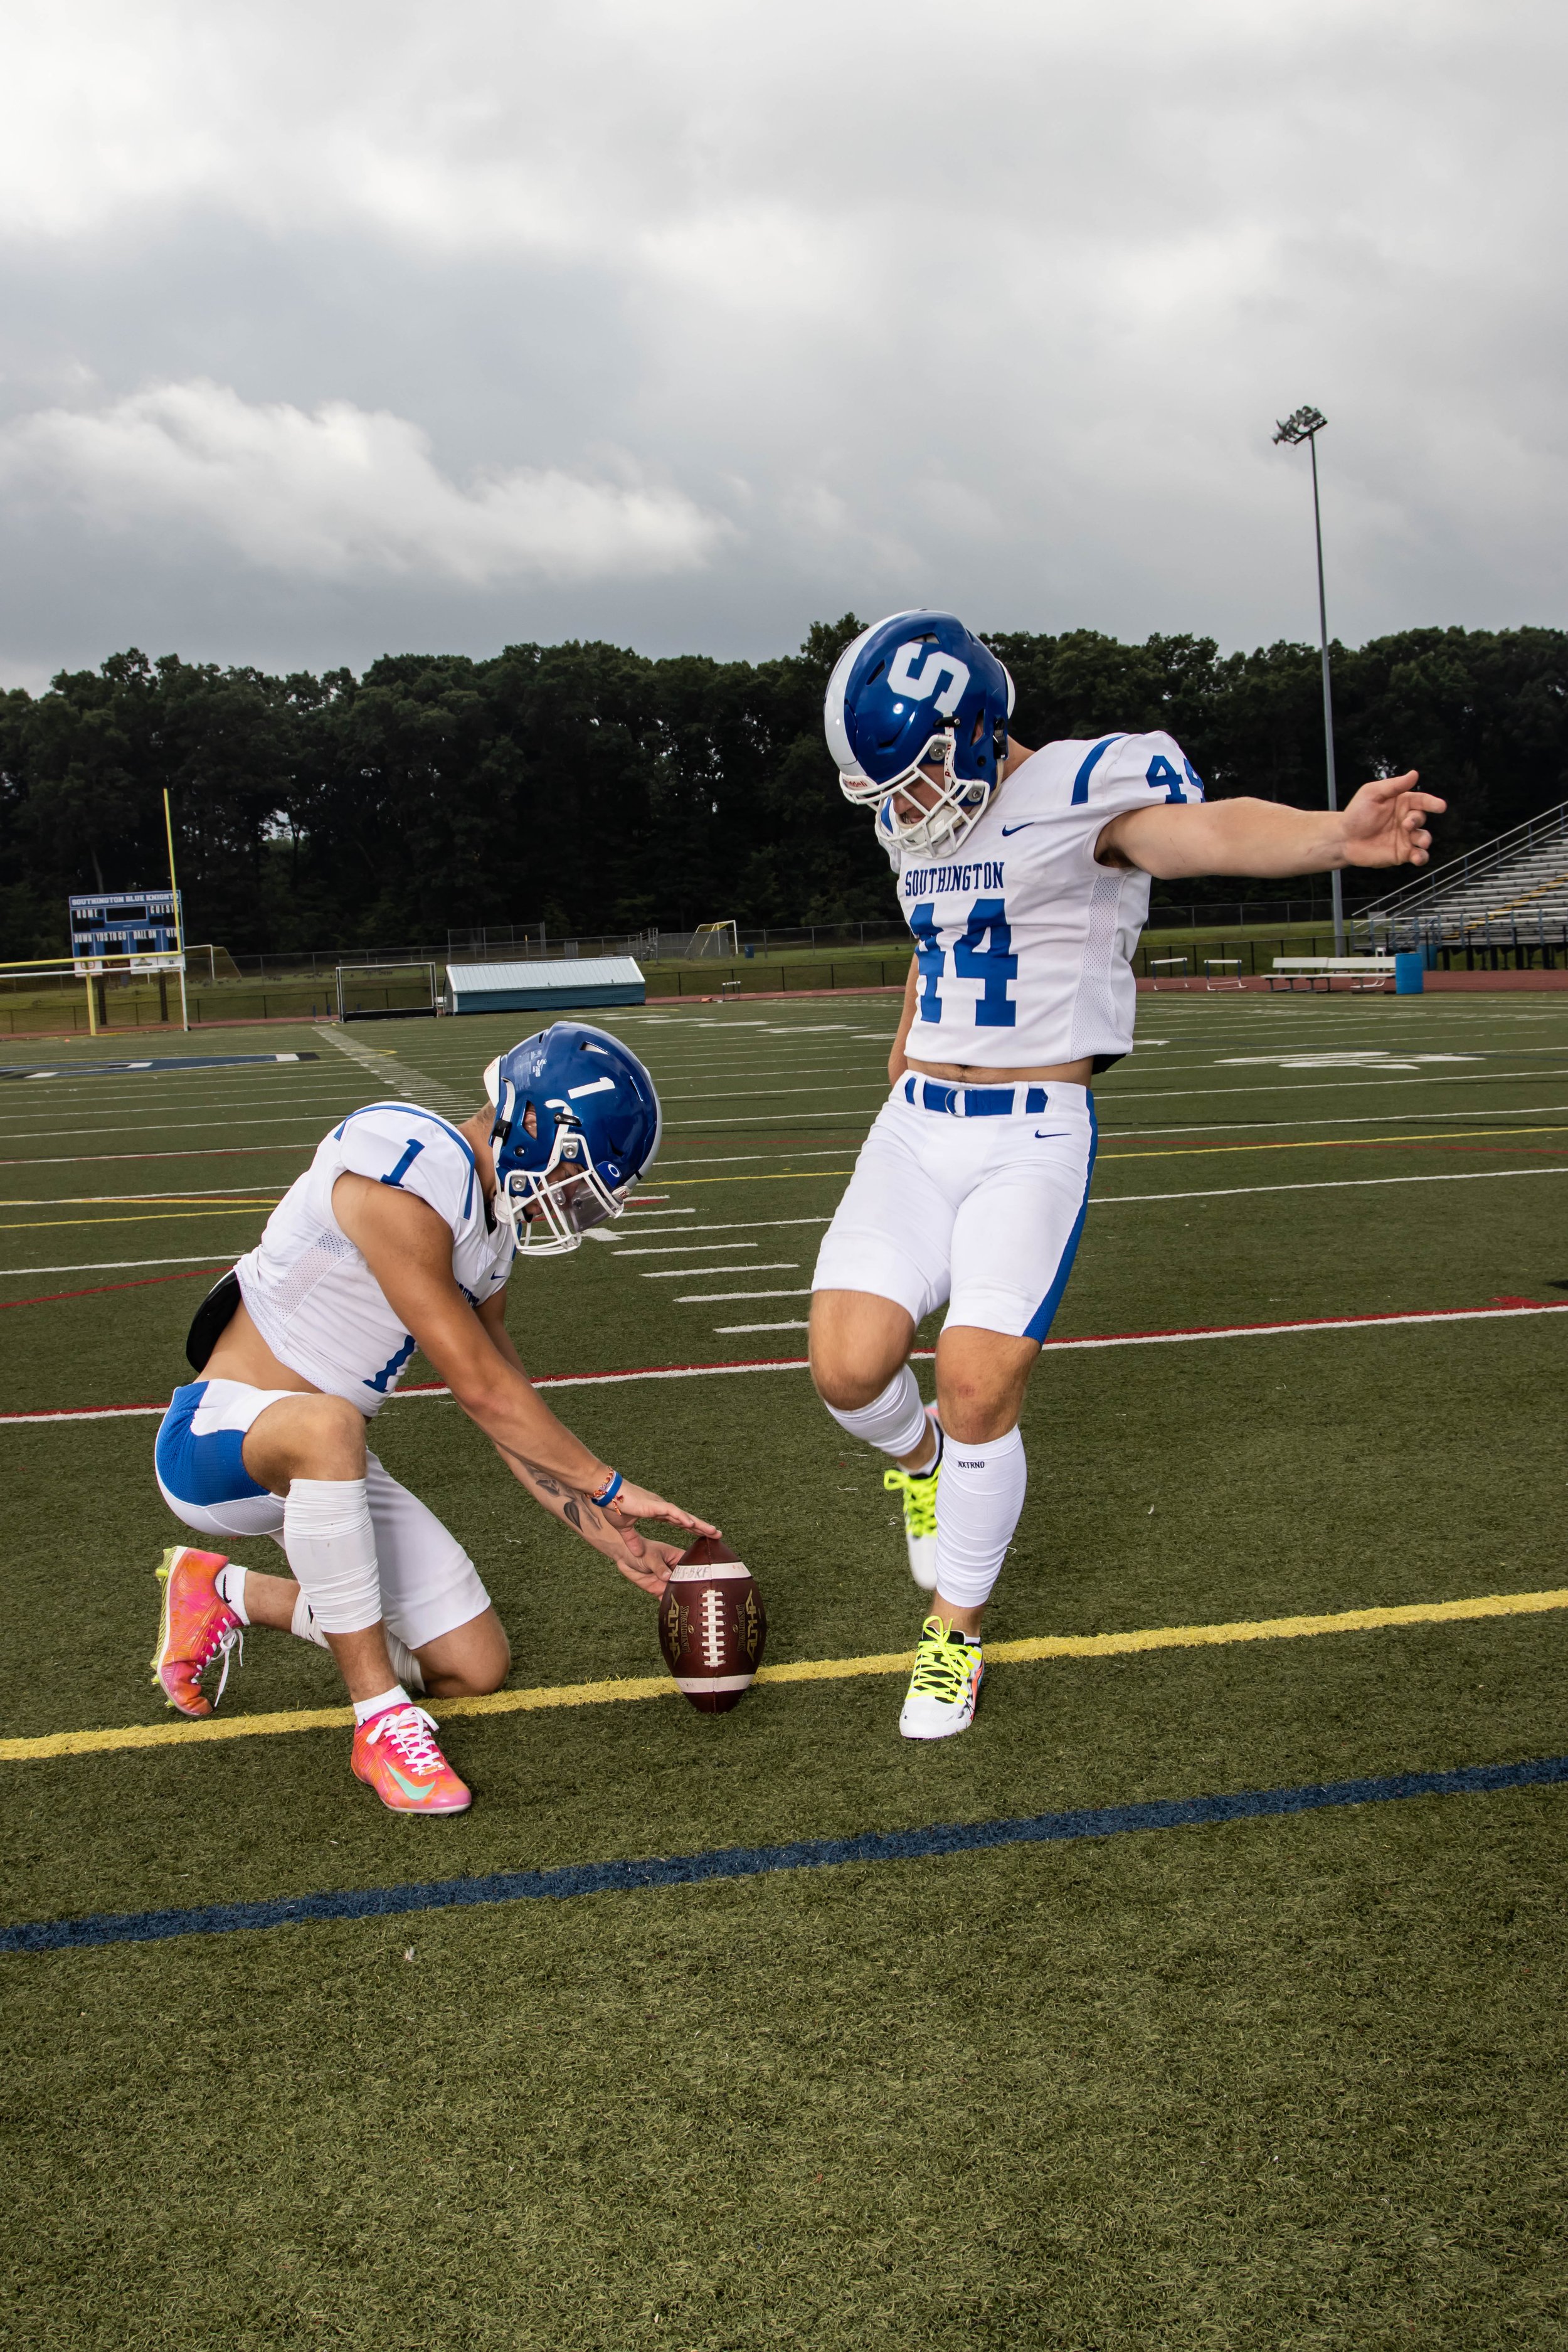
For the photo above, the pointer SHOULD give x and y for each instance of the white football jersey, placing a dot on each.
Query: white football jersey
(311, 1294)
(1023, 943)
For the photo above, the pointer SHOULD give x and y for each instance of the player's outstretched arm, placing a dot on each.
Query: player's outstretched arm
(409, 1249)
(1384, 825)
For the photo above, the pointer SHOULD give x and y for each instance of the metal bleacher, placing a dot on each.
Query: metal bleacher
(1512, 893)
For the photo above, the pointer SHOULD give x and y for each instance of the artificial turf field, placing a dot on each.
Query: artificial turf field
(1280, 2081)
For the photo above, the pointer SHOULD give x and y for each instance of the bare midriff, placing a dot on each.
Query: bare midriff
(242, 1354)
(969, 1074)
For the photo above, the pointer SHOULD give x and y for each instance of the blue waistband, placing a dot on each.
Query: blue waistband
(975, 1102)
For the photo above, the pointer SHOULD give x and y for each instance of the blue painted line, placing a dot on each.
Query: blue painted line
(569, 1880)
(159, 1062)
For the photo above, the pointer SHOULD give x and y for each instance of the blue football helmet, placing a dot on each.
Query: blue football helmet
(576, 1125)
(919, 687)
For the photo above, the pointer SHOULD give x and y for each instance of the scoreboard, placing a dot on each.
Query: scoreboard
(123, 923)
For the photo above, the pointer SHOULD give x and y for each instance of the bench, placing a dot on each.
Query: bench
(1361, 973)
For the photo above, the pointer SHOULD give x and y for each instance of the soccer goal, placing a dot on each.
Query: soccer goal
(385, 992)
(716, 940)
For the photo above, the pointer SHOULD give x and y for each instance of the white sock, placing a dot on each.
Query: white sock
(895, 1423)
(366, 1707)
(229, 1585)
(981, 1496)
(303, 1625)
(330, 1544)
(405, 1665)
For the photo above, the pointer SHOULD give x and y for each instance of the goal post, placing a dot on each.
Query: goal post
(716, 939)
(386, 992)
(31, 989)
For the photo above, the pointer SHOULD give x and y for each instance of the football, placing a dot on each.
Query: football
(712, 1625)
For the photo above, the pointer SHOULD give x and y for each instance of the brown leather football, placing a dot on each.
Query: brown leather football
(712, 1625)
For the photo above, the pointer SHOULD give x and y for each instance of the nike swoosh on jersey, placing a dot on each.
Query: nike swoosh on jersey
(1009, 829)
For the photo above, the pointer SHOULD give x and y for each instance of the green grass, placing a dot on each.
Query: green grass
(1290, 2082)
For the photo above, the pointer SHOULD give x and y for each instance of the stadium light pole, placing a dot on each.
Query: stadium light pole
(1305, 425)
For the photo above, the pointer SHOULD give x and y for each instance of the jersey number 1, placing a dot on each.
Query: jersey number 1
(983, 953)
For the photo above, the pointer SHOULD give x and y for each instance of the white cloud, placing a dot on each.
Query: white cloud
(340, 492)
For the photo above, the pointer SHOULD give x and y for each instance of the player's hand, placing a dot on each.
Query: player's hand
(1385, 823)
(645, 1564)
(650, 1572)
(642, 1503)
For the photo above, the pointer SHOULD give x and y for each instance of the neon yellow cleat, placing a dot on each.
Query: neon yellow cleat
(945, 1685)
(919, 1491)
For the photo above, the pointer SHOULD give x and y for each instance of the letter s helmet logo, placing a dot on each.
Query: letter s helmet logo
(921, 684)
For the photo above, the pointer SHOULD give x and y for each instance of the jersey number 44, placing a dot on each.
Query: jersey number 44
(984, 952)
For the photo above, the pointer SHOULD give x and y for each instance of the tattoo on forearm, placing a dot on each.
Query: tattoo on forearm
(575, 1506)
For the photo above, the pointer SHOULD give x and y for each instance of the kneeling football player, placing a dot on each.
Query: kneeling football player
(1023, 877)
(400, 1234)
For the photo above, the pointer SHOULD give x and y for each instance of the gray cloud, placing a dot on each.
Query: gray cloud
(335, 331)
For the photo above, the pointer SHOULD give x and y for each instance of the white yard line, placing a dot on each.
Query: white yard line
(740, 1094)
(771, 1118)
(685, 1249)
(159, 1127)
(1361, 1118)
(1328, 1185)
(738, 1158)
(753, 1225)
(105, 1264)
(1306, 1328)
(1336, 1080)
(696, 1272)
(724, 1331)
(712, 1298)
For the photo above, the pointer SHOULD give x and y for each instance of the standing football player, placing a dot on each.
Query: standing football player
(1023, 877)
(400, 1234)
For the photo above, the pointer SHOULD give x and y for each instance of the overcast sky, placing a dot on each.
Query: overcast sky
(334, 329)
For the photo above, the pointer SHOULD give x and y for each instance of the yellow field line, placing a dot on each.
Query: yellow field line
(800, 1670)
(219, 1199)
(162, 1217)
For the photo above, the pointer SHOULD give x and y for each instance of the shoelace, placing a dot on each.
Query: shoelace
(944, 1665)
(222, 1646)
(919, 1491)
(410, 1730)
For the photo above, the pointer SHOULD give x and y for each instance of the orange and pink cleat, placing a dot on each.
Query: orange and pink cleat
(197, 1627)
(395, 1754)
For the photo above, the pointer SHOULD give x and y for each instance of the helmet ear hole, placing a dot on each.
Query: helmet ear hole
(530, 1119)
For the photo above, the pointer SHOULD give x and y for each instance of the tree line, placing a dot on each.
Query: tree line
(600, 791)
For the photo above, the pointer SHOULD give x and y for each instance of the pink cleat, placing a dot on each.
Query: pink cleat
(395, 1754)
(197, 1627)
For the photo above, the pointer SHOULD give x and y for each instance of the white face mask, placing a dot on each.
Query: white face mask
(549, 1210)
(958, 806)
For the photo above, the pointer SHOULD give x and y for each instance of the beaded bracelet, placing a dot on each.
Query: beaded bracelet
(607, 1493)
